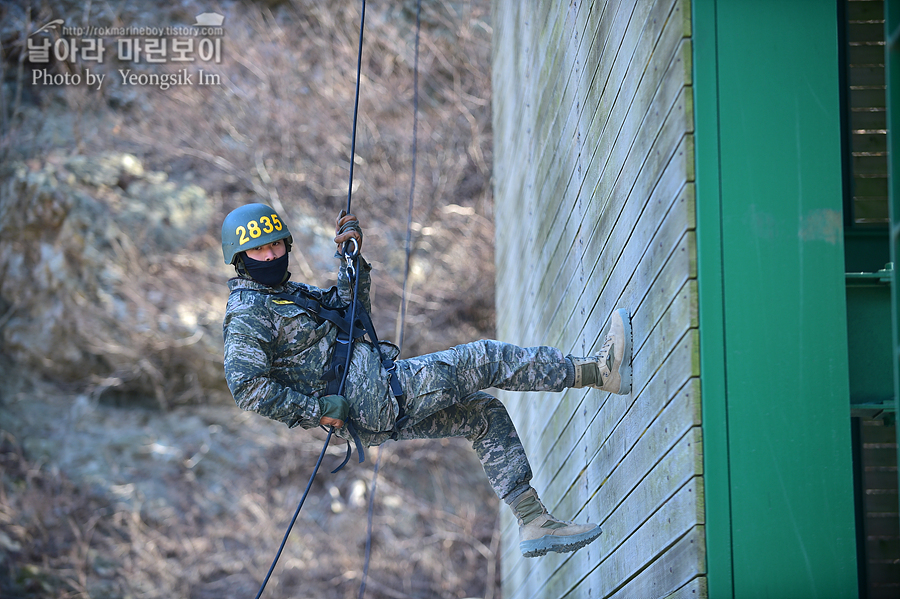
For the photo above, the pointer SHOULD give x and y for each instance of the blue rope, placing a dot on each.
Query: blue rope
(296, 513)
(362, 22)
(355, 258)
(403, 298)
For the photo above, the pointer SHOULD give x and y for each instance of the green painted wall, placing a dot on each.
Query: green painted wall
(777, 450)
(892, 26)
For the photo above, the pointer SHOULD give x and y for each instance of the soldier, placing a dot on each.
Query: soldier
(280, 337)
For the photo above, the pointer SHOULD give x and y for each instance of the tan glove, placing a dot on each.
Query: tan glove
(347, 228)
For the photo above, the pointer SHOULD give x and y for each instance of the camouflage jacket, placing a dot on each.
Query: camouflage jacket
(276, 353)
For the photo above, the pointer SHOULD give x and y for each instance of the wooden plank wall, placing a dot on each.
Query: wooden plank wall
(593, 122)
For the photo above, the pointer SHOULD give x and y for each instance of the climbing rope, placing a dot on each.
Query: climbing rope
(296, 513)
(352, 258)
(412, 182)
(362, 25)
(404, 294)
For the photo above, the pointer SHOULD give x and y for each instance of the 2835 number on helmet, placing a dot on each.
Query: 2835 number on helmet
(251, 226)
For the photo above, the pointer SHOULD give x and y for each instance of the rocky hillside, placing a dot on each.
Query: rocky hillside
(127, 469)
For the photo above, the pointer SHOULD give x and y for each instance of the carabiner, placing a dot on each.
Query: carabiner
(350, 257)
(355, 251)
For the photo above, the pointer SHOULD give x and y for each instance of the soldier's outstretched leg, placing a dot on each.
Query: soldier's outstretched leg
(443, 398)
(435, 381)
(483, 420)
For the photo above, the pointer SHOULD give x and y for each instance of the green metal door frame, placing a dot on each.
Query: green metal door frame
(716, 450)
(892, 71)
(776, 413)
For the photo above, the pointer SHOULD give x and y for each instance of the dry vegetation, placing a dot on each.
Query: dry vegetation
(101, 496)
(203, 497)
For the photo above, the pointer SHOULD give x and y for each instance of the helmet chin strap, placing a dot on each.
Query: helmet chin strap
(239, 267)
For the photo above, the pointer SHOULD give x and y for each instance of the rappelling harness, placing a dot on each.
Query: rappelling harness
(352, 323)
(337, 366)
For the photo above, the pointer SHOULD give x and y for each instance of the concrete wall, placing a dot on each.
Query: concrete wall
(593, 122)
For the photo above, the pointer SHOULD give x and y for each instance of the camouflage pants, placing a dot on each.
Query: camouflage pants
(444, 398)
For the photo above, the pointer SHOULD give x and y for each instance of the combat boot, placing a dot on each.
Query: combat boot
(610, 370)
(539, 532)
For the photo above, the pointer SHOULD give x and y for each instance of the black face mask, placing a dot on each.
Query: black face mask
(271, 272)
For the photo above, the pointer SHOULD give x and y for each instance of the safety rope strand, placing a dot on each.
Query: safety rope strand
(362, 23)
(354, 288)
(404, 295)
(412, 183)
(296, 513)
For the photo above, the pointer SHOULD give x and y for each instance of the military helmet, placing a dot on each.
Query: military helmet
(249, 227)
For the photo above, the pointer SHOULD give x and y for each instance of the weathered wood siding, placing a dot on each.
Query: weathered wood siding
(593, 122)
